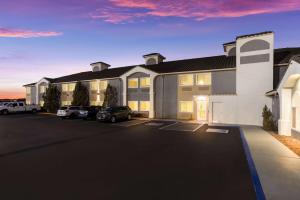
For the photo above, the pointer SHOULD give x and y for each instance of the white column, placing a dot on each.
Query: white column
(124, 83)
(37, 94)
(151, 94)
(285, 102)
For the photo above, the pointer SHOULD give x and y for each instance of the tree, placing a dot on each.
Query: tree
(51, 98)
(80, 95)
(110, 96)
(269, 123)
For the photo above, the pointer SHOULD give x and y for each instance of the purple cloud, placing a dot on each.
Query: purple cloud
(21, 33)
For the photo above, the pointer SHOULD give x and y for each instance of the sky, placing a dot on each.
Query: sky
(52, 38)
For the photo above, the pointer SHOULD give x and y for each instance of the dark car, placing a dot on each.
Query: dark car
(89, 112)
(113, 114)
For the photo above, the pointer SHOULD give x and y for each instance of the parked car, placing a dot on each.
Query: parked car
(68, 112)
(89, 112)
(18, 107)
(113, 114)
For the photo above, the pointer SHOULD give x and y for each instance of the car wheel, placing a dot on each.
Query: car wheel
(129, 117)
(113, 119)
(5, 112)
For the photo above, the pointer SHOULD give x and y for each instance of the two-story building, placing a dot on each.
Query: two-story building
(231, 88)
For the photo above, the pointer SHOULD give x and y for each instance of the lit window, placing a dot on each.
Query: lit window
(94, 85)
(186, 80)
(144, 106)
(133, 105)
(144, 82)
(186, 106)
(28, 102)
(28, 90)
(103, 85)
(133, 83)
(66, 103)
(42, 89)
(204, 79)
(68, 87)
(42, 103)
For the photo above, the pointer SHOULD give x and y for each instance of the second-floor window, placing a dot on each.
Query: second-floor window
(94, 85)
(186, 80)
(42, 89)
(133, 83)
(103, 85)
(145, 82)
(68, 87)
(203, 79)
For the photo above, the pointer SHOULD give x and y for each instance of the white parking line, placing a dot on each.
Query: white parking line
(200, 125)
(126, 124)
(167, 126)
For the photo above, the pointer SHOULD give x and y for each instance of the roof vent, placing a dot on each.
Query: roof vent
(99, 66)
(153, 58)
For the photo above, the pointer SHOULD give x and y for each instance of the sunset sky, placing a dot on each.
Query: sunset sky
(51, 38)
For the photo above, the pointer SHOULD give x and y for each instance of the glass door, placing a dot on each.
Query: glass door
(202, 108)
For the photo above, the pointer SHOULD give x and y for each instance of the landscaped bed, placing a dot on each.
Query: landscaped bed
(292, 143)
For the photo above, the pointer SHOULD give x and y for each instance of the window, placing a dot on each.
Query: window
(94, 85)
(96, 103)
(28, 102)
(204, 79)
(68, 87)
(66, 103)
(186, 106)
(145, 82)
(21, 104)
(133, 105)
(144, 106)
(42, 103)
(28, 90)
(133, 83)
(186, 80)
(103, 85)
(42, 89)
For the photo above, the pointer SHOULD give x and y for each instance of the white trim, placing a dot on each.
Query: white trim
(199, 71)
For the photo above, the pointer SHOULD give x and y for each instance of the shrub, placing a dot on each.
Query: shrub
(51, 99)
(110, 97)
(80, 95)
(269, 123)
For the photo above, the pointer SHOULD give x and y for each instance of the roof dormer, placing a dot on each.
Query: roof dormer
(230, 48)
(153, 58)
(99, 66)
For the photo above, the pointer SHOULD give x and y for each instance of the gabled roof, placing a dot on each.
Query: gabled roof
(284, 55)
(30, 84)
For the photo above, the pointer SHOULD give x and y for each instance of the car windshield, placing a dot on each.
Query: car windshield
(63, 108)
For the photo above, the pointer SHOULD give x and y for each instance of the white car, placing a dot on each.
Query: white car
(68, 112)
(15, 107)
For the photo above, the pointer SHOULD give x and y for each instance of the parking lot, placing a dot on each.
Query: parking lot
(44, 157)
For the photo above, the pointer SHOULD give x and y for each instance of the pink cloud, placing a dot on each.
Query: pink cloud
(21, 33)
(129, 10)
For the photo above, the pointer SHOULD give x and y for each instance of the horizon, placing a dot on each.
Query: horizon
(57, 38)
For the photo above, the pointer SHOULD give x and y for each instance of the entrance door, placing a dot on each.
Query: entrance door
(202, 108)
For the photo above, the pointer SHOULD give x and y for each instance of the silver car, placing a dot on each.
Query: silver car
(68, 112)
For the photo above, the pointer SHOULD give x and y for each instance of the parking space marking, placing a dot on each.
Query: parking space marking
(168, 126)
(200, 125)
(129, 124)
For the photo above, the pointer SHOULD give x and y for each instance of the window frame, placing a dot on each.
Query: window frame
(145, 78)
(128, 86)
(135, 102)
(204, 83)
(180, 110)
(140, 104)
(181, 75)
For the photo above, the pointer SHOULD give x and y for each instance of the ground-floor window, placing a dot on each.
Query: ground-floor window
(144, 106)
(186, 106)
(96, 103)
(42, 103)
(133, 105)
(66, 103)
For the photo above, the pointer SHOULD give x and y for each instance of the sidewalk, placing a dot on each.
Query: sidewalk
(277, 166)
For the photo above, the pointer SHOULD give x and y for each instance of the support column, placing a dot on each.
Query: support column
(285, 102)
(124, 84)
(151, 94)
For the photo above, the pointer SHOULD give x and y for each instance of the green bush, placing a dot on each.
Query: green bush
(269, 123)
(80, 95)
(51, 99)
(111, 96)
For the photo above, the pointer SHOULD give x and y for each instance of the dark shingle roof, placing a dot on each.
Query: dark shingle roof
(196, 64)
(284, 55)
(89, 75)
(28, 85)
(296, 58)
